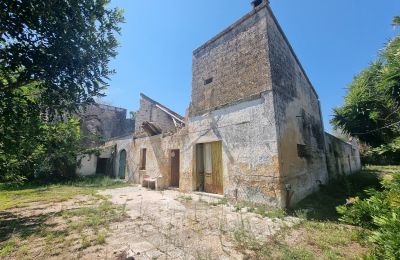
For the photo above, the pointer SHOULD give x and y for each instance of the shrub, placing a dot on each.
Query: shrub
(59, 149)
(380, 212)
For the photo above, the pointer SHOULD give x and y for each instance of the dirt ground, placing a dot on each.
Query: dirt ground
(133, 222)
(172, 225)
(156, 225)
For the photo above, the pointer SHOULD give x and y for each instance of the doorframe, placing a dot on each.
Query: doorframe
(201, 180)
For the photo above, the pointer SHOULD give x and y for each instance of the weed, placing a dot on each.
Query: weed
(186, 197)
(101, 238)
(8, 247)
(302, 213)
(85, 242)
(23, 251)
(290, 253)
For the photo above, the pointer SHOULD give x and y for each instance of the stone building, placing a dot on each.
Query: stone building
(254, 128)
(101, 122)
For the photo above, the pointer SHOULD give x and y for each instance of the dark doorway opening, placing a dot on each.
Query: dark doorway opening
(175, 160)
(122, 164)
(101, 167)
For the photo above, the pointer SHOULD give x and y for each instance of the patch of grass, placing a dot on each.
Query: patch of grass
(94, 217)
(12, 196)
(8, 247)
(186, 197)
(23, 251)
(295, 252)
(101, 238)
(85, 242)
(261, 209)
(383, 169)
(322, 205)
(87, 225)
(308, 240)
(223, 201)
(271, 212)
(320, 235)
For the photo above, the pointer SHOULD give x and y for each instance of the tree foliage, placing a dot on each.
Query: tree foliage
(64, 46)
(54, 57)
(371, 109)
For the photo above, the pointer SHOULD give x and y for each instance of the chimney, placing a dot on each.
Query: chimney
(256, 3)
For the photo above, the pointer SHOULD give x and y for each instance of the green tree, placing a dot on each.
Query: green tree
(54, 57)
(64, 46)
(371, 109)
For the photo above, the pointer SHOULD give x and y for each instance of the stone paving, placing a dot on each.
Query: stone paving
(172, 225)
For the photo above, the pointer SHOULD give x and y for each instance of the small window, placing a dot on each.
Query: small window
(142, 159)
(330, 148)
(208, 81)
(302, 151)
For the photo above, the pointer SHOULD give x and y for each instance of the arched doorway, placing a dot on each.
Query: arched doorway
(122, 163)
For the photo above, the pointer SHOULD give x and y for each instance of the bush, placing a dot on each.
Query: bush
(385, 154)
(59, 149)
(380, 212)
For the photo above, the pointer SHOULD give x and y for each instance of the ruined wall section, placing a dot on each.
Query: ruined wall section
(299, 121)
(158, 158)
(232, 66)
(342, 158)
(149, 112)
(106, 121)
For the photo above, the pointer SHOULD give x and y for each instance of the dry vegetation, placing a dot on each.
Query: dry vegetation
(74, 220)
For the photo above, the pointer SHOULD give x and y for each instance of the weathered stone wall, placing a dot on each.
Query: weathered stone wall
(249, 148)
(158, 149)
(236, 60)
(342, 158)
(106, 121)
(87, 165)
(111, 148)
(122, 143)
(88, 162)
(249, 151)
(149, 111)
(298, 117)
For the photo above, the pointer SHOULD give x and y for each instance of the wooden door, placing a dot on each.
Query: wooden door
(216, 153)
(213, 178)
(175, 168)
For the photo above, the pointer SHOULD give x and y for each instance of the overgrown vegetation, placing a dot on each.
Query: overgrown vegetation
(322, 233)
(56, 230)
(53, 61)
(261, 209)
(379, 212)
(308, 240)
(15, 195)
(371, 110)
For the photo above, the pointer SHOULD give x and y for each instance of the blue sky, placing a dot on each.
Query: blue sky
(334, 40)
